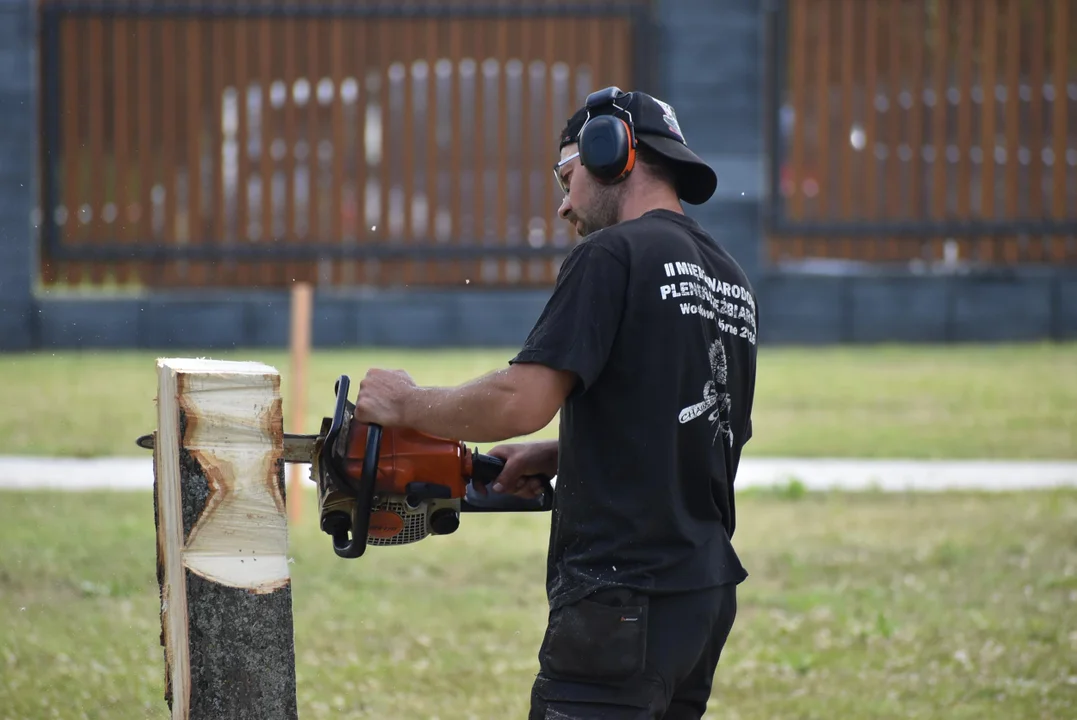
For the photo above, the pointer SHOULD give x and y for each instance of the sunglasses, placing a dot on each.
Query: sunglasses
(557, 171)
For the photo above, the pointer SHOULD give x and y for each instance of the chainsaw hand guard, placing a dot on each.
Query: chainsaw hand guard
(349, 530)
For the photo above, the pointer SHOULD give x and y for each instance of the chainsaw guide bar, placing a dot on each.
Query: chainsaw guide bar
(297, 448)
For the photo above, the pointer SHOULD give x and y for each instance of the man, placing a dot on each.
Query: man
(647, 349)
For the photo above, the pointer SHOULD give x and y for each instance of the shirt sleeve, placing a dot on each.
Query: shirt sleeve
(578, 325)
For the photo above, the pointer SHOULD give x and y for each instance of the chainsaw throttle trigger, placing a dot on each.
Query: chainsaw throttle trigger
(485, 468)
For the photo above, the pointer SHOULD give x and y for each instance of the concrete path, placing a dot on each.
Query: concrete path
(136, 473)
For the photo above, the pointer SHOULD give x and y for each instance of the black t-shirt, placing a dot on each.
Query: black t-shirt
(659, 323)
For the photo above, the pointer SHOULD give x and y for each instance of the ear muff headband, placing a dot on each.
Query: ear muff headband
(607, 143)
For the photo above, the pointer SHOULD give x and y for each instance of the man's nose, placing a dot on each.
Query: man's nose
(565, 209)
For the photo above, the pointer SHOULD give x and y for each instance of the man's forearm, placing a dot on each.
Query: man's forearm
(484, 410)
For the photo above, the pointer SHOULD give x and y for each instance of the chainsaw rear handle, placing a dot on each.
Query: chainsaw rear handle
(484, 470)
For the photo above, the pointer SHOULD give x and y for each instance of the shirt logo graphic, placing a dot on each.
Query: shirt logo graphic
(714, 396)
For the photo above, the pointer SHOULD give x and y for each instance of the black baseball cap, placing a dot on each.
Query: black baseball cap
(656, 126)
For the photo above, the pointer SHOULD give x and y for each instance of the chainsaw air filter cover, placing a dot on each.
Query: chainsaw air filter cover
(396, 521)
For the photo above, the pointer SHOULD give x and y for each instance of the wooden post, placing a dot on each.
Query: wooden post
(222, 541)
(302, 302)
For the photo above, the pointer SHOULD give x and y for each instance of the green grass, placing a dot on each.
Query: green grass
(919, 402)
(955, 606)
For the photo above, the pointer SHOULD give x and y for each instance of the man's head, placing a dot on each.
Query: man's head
(599, 168)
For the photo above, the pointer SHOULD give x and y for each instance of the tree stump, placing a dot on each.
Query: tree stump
(222, 541)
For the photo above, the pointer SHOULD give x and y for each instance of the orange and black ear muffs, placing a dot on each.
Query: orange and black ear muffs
(607, 143)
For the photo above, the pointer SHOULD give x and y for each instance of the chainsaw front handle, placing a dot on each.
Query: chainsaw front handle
(353, 542)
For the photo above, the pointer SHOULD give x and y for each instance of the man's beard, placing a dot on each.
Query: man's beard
(605, 211)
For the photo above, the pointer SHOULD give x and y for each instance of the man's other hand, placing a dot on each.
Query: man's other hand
(383, 396)
(528, 468)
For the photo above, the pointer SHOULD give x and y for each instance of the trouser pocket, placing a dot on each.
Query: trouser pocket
(602, 637)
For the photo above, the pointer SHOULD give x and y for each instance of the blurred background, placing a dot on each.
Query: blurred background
(889, 169)
(372, 181)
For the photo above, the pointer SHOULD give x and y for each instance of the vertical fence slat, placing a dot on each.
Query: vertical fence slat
(501, 202)
(407, 144)
(432, 159)
(320, 134)
(552, 196)
(571, 58)
(798, 74)
(197, 274)
(365, 212)
(871, 133)
(70, 233)
(336, 203)
(966, 30)
(822, 119)
(1036, 80)
(895, 86)
(289, 76)
(939, 126)
(245, 271)
(145, 104)
(848, 64)
(988, 82)
(121, 104)
(1059, 123)
(513, 48)
(220, 44)
(267, 274)
(545, 143)
(526, 117)
(169, 273)
(454, 119)
(1012, 51)
(99, 171)
(479, 155)
(389, 37)
(917, 53)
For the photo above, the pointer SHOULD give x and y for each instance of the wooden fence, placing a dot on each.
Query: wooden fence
(431, 128)
(236, 139)
(929, 110)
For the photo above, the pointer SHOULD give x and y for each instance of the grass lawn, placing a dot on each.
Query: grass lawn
(957, 606)
(917, 402)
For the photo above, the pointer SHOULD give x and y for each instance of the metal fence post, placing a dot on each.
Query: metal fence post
(713, 73)
(18, 141)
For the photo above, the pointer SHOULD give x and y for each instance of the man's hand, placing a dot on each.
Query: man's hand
(528, 468)
(383, 397)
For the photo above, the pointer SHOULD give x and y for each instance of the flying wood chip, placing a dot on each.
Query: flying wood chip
(222, 541)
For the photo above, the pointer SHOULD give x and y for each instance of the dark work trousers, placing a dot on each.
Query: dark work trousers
(620, 655)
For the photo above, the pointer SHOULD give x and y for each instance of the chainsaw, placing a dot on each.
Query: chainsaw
(393, 486)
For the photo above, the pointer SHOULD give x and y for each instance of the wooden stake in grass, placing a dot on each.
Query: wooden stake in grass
(302, 301)
(222, 541)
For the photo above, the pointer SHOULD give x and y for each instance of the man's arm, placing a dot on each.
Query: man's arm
(518, 400)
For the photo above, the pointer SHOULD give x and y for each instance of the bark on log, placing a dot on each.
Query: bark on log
(222, 541)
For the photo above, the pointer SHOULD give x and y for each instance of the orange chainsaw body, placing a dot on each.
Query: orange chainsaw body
(408, 456)
(391, 485)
